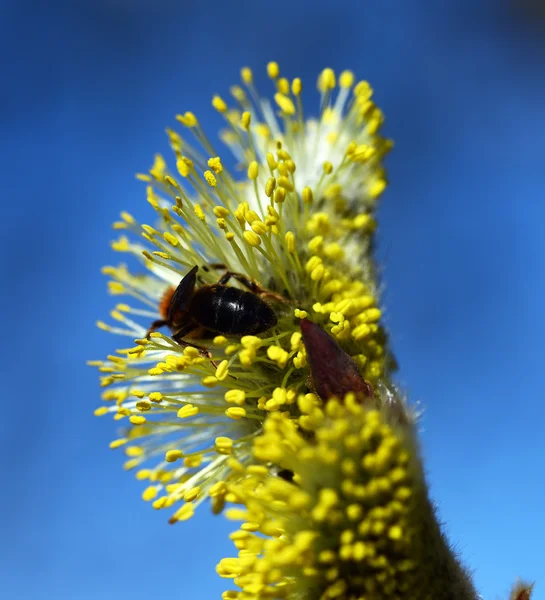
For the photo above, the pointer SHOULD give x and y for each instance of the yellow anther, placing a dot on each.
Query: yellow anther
(173, 455)
(143, 405)
(149, 493)
(188, 119)
(251, 342)
(376, 188)
(246, 75)
(219, 340)
(121, 245)
(191, 494)
(245, 120)
(271, 161)
(235, 412)
(279, 195)
(156, 397)
(220, 211)
(363, 90)
(246, 357)
(270, 186)
(188, 411)
(290, 242)
(199, 212)
(183, 168)
(316, 244)
(283, 86)
(118, 443)
(273, 70)
(222, 371)
(215, 164)
(171, 239)
(364, 221)
(238, 93)
(285, 183)
(237, 397)
(137, 420)
(259, 227)
(326, 81)
(184, 513)
(224, 445)
(100, 411)
(295, 340)
(296, 86)
(252, 238)
(328, 167)
(278, 355)
(128, 218)
(300, 314)
(193, 461)
(209, 381)
(251, 216)
(219, 104)
(210, 179)
(334, 251)
(346, 79)
(312, 263)
(285, 103)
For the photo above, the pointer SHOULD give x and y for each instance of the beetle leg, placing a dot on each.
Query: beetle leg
(185, 330)
(253, 286)
(214, 266)
(155, 326)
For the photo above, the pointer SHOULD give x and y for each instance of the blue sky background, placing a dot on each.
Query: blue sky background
(85, 94)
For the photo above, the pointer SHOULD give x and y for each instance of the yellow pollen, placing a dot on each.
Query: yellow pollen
(210, 179)
(296, 86)
(215, 164)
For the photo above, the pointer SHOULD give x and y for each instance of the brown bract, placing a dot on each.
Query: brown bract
(334, 372)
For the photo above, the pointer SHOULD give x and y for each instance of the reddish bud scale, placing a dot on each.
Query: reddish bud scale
(334, 373)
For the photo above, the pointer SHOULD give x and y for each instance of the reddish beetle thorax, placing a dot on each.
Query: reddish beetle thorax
(164, 303)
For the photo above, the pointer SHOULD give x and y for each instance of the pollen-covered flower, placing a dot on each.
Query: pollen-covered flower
(296, 232)
(354, 522)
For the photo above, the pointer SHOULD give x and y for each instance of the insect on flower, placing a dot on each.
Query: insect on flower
(191, 311)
